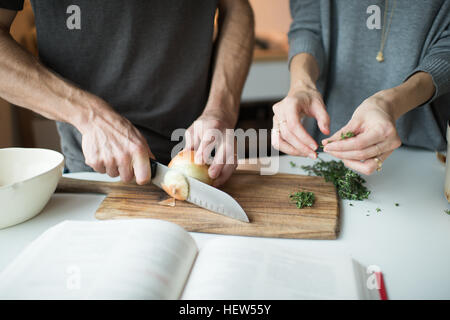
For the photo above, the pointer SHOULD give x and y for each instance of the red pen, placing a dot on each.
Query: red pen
(381, 286)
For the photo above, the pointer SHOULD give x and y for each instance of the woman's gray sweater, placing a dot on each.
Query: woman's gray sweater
(337, 34)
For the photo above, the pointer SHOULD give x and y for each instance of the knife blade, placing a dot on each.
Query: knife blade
(203, 195)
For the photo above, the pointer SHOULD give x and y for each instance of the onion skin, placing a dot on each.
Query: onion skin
(184, 162)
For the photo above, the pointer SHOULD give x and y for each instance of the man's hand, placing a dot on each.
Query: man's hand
(288, 135)
(112, 145)
(376, 137)
(208, 133)
(232, 58)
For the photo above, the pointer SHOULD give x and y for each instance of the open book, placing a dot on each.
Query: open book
(155, 259)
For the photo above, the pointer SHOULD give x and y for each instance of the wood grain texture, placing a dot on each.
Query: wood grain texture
(265, 199)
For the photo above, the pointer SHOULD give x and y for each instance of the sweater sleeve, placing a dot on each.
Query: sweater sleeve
(436, 60)
(305, 35)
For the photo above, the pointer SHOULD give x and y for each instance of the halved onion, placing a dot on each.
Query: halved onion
(176, 185)
(182, 165)
(184, 162)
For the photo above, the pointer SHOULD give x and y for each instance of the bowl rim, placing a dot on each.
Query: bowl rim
(61, 162)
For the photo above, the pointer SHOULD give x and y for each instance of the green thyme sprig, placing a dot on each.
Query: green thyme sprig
(348, 183)
(303, 199)
(344, 136)
(347, 135)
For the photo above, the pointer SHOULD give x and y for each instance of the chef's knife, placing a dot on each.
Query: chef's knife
(203, 195)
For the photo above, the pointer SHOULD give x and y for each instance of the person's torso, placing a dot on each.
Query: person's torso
(353, 72)
(150, 60)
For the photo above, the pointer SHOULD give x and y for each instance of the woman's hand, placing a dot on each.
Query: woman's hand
(376, 137)
(288, 134)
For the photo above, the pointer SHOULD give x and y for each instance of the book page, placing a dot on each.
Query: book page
(230, 268)
(120, 259)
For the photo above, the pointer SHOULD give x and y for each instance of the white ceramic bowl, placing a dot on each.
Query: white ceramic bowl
(28, 178)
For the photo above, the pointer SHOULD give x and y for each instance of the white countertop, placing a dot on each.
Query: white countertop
(410, 243)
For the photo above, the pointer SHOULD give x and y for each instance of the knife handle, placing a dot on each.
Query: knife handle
(70, 185)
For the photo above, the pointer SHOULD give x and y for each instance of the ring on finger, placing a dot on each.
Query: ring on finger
(379, 163)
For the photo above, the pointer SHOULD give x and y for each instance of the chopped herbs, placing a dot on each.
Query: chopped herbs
(303, 199)
(293, 164)
(378, 209)
(396, 204)
(348, 183)
(347, 135)
(351, 204)
(447, 211)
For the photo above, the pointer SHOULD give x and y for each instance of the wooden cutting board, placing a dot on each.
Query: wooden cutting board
(265, 199)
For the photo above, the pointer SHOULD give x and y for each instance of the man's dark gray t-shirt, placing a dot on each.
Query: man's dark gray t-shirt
(150, 60)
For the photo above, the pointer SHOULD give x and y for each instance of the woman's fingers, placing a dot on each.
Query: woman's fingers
(358, 142)
(369, 152)
(294, 141)
(368, 166)
(291, 120)
(280, 144)
(352, 126)
(291, 135)
(318, 111)
(288, 116)
(294, 126)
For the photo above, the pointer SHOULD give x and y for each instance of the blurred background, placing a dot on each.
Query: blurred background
(267, 83)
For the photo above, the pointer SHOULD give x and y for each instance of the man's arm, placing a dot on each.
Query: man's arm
(110, 143)
(233, 55)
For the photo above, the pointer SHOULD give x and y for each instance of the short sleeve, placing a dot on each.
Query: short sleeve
(15, 5)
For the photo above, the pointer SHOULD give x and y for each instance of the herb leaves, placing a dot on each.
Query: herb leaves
(347, 135)
(303, 199)
(348, 183)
